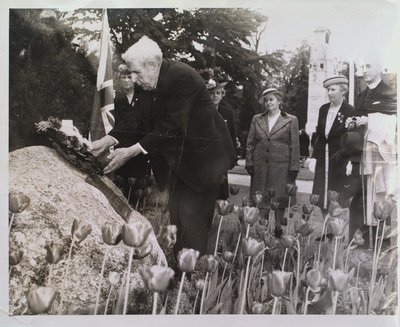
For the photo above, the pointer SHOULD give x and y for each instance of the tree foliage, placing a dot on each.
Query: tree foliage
(48, 76)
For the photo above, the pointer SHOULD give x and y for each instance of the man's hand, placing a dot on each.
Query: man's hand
(120, 156)
(363, 120)
(102, 145)
(311, 163)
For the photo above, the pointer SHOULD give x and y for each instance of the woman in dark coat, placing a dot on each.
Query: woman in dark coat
(273, 154)
(329, 162)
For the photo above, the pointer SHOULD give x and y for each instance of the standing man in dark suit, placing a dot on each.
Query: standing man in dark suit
(374, 172)
(189, 146)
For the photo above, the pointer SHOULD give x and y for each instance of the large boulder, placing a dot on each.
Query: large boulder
(58, 194)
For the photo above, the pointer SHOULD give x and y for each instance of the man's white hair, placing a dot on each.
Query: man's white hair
(143, 50)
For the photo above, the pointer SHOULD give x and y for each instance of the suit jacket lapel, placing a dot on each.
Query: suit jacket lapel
(263, 122)
(335, 121)
(282, 121)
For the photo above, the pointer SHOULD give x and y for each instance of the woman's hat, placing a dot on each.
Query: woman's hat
(335, 80)
(271, 90)
(212, 85)
(124, 69)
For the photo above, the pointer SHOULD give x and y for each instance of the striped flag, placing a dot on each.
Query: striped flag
(102, 120)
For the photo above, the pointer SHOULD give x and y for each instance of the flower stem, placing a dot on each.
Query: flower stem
(11, 222)
(222, 279)
(65, 276)
(219, 230)
(101, 280)
(129, 193)
(137, 204)
(347, 255)
(334, 253)
(50, 274)
(128, 274)
(108, 298)
(245, 286)
(179, 293)
(284, 259)
(320, 242)
(374, 262)
(276, 300)
(306, 300)
(195, 302)
(247, 231)
(298, 272)
(234, 257)
(288, 219)
(155, 299)
(261, 272)
(335, 298)
(203, 294)
(358, 272)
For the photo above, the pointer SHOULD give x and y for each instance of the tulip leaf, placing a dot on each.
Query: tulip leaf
(289, 307)
(213, 295)
(119, 306)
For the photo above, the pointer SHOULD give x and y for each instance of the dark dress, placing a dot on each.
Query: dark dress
(132, 120)
(337, 161)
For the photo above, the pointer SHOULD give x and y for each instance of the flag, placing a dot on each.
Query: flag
(102, 120)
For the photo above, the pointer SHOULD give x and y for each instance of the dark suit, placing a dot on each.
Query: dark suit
(190, 149)
(381, 99)
(131, 123)
(337, 161)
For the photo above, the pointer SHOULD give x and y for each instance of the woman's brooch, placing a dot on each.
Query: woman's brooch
(340, 118)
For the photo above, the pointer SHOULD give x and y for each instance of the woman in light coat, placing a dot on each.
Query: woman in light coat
(273, 154)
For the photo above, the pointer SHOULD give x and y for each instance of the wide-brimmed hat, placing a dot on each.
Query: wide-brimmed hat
(212, 85)
(123, 69)
(335, 80)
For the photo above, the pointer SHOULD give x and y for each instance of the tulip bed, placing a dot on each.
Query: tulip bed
(250, 271)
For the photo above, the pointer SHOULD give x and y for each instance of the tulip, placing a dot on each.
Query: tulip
(258, 308)
(234, 189)
(314, 280)
(17, 201)
(334, 209)
(210, 263)
(112, 233)
(382, 210)
(245, 202)
(271, 192)
(114, 278)
(338, 280)
(251, 247)
(358, 238)
(257, 197)
(187, 259)
(278, 281)
(157, 278)
(308, 209)
(199, 284)
(136, 233)
(303, 228)
(291, 189)
(236, 209)
(314, 199)
(274, 205)
(15, 257)
(332, 196)
(291, 215)
(228, 256)
(167, 236)
(142, 251)
(80, 230)
(338, 227)
(288, 241)
(224, 207)
(295, 207)
(54, 252)
(40, 298)
(263, 222)
(251, 215)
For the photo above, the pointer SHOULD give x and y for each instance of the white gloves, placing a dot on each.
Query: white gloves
(310, 163)
(349, 168)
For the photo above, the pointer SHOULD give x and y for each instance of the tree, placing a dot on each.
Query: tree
(49, 76)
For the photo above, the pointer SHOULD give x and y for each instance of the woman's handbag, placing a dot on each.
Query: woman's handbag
(351, 143)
